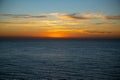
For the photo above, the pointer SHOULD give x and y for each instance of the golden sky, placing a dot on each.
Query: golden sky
(61, 25)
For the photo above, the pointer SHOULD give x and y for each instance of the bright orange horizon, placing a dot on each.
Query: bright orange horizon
(62, 35)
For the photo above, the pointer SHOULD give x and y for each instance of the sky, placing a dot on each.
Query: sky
(60, 18)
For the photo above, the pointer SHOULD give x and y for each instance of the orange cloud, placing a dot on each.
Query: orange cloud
(113, 17)
(66, 16)
(84, 16)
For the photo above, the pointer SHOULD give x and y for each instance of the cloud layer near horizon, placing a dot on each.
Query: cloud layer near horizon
(66, 16)
(75, 24)
(84, 16)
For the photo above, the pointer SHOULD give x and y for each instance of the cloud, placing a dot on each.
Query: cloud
(92, 31)
(23, 16)
(5, 22)
(78, 16)
(104, 23)
(30, 16)
(13, 15)
(113, 17)
(100, 16)
(84, 16)
(94, 15)
(67, 16)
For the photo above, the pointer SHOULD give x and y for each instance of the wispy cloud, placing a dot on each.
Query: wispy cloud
(31, 16)
(67, 16)
(113, 17)
(16, 22)
(104, 23)
(23, 16)
(5, 22)
(84, 16)
(93, 31)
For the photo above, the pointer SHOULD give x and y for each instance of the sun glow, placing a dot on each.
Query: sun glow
(56, 35)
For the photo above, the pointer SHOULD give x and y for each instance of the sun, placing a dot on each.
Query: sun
(56, 35)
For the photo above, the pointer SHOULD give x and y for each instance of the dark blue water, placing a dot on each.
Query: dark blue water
(59, 59)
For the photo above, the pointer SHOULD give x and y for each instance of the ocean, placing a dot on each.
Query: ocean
(59, 59)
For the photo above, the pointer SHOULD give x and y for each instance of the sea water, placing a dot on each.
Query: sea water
(59, 59)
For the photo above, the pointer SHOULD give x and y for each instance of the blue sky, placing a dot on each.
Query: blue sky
(61, 6)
